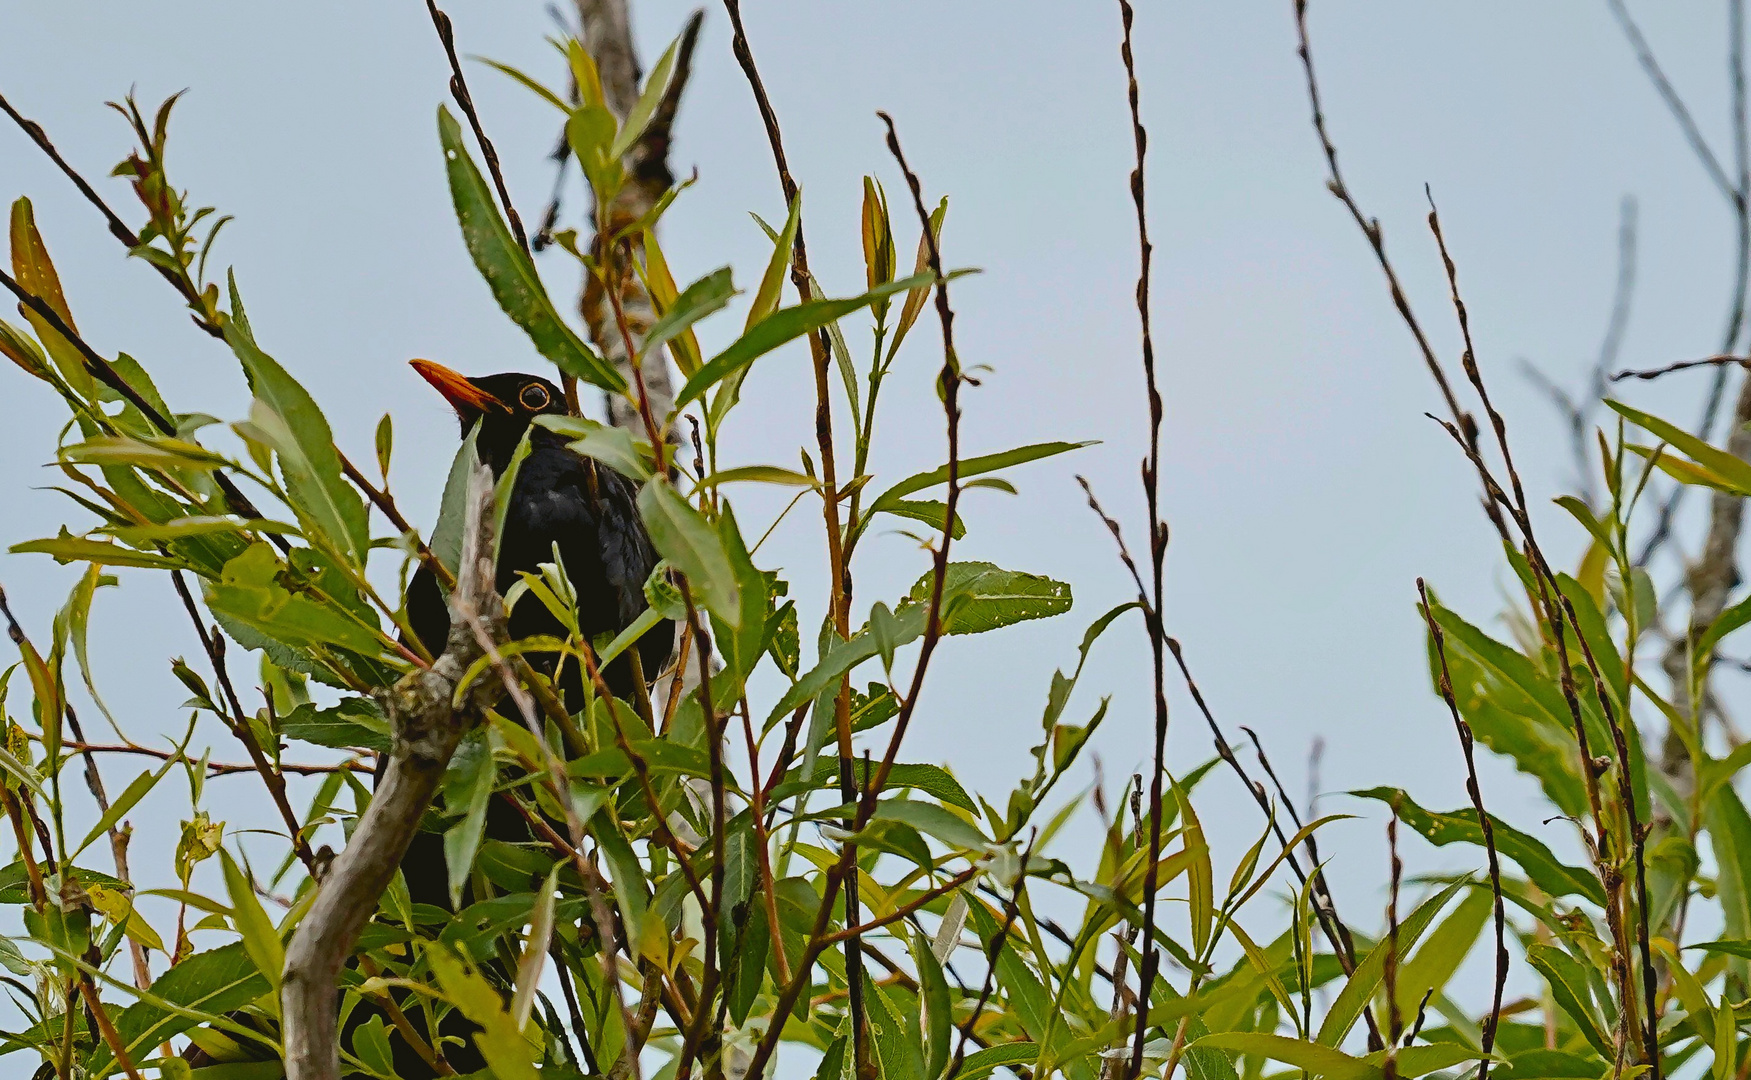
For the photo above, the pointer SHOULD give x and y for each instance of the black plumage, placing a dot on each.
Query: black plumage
(560, 499)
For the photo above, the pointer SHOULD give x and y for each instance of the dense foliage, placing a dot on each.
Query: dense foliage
(683, 907)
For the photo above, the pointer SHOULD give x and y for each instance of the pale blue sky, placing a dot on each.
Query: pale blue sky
(1304, 487)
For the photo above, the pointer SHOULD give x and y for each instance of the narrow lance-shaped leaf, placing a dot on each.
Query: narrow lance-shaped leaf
(974, 466)
(1460, 826)
(1721, 462)
(705, 296)
(507, 270)
(260, 939)
(782, 326)
(301, 436)
(462, 840)
(683, 536)
(656, 87)
(1359, 989)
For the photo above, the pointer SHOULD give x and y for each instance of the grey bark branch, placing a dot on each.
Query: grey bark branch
(427, 729)
(607, 34)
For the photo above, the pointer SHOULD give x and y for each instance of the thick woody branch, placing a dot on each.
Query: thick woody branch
(607, 34)
(427, 727)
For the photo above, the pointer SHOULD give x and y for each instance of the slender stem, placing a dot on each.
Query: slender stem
(1485, 823)
(214, 646)
(465, 101)
(838, 568)
(991, 953)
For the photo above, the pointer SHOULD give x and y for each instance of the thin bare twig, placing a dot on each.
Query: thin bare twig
(992, 951)
(218, 768)
(1674, 104)
(1682, 365)
(465, 102)
(1485, 824)
(1153, 597)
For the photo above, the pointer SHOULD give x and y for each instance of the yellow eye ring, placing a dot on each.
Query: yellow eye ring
(534, 396)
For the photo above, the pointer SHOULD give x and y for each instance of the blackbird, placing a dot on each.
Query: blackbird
(590, 512)
(586, 509)
(560, 499)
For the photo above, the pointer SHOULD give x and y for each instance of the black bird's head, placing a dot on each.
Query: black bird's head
(503, 405)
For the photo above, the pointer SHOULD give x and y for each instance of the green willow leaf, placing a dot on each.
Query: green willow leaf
(1461, 827)
(1568, 984)
(782, 326)
(614, 447)
(974, 466)
(206, 984)
(249, 591)
(507, 270)
(67, 548)
(656, 87)
(1315, 1059)
(705, 296)
(1359, 989)
(981, 596)
(1728, 466)
(260, 939)
(683, 536)
(300, 435)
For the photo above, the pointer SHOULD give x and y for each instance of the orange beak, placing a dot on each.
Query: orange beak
(463, 396)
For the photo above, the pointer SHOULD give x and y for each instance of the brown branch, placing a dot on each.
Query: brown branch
(1682, 365)
(427, 729)
(991, 953)
(1155, 597)
(213, 644)
(1485, 823)
(713, 914)
(1389, 969)
(218, 768)
(839, 571)
(118, 840)
(465, 102)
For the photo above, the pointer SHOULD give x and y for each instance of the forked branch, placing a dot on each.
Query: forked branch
(426, 728)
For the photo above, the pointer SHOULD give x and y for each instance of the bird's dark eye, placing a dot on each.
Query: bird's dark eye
(534, 397)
